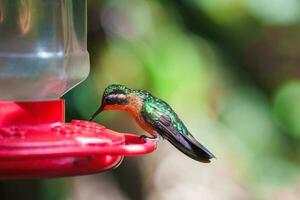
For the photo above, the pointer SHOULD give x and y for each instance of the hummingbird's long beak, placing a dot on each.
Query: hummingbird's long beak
(100, 109)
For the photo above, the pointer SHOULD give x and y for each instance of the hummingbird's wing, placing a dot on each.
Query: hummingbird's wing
(177, 134)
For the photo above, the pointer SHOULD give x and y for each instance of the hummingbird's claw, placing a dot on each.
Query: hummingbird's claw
(153, 138)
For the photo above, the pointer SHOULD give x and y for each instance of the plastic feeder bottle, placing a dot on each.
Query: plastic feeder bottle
(43, 55)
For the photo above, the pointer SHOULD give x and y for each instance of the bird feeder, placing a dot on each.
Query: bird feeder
(42, 56)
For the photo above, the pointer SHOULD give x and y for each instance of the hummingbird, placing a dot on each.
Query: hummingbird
(155, 116)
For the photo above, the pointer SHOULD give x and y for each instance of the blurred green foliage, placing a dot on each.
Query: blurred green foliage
(287, 108)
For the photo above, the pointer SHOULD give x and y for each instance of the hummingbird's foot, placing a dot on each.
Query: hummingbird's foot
(156, 138)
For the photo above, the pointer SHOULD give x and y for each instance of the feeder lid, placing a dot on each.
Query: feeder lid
(78, 138)
(36, 142)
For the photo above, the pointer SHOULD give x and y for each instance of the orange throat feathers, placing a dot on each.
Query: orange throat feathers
(134, 108)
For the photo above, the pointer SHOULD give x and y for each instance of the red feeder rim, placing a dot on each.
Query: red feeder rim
(36, 142)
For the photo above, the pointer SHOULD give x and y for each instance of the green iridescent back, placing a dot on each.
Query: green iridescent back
(156, 108)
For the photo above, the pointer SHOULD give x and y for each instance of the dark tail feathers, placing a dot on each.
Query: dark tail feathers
(188, 145)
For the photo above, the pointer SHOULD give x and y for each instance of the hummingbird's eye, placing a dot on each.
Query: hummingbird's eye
(109, 100)
(115, 99)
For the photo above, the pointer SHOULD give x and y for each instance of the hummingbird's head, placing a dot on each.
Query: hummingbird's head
(114, 98)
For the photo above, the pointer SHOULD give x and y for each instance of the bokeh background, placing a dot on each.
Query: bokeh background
(230, 68)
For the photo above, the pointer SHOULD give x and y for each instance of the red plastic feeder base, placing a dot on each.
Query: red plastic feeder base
(35, 142)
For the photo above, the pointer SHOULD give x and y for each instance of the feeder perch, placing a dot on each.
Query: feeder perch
(43, 55)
